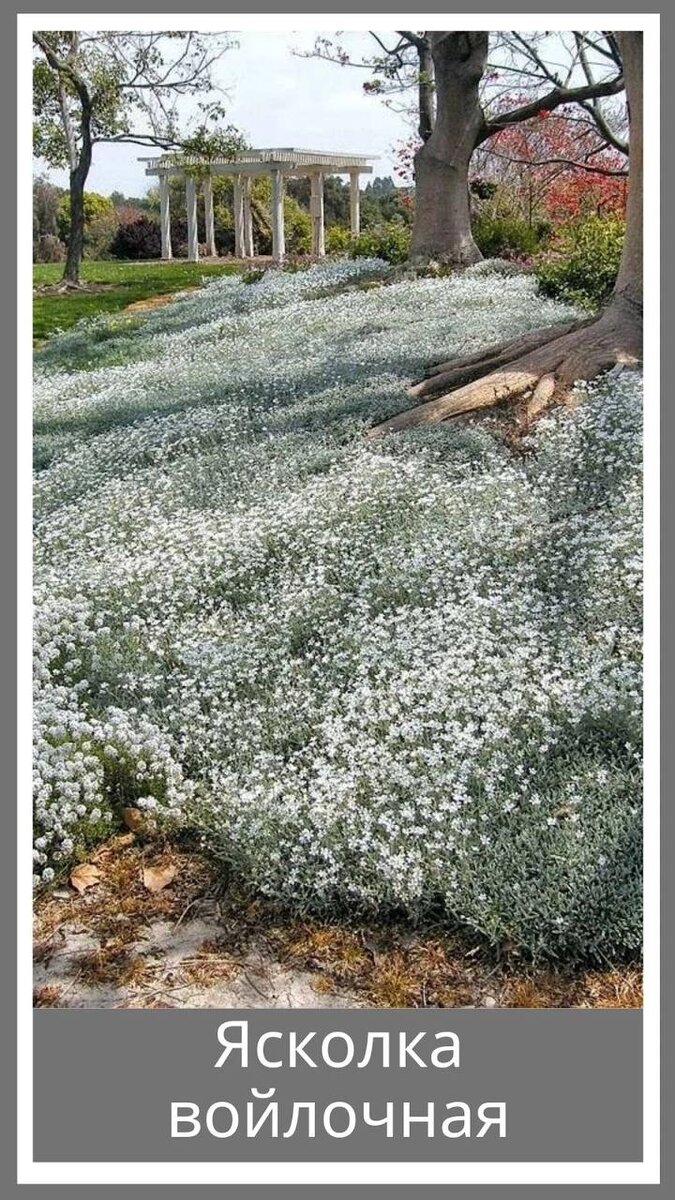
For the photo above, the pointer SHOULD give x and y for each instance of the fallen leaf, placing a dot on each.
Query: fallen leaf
(133, 819)
(156, 878)
(84, 876)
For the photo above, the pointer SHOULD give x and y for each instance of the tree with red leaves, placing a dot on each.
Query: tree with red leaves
(558, 164)
(542, 367)
(465, 121)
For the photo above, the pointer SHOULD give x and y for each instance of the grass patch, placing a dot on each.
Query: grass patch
(115, 285)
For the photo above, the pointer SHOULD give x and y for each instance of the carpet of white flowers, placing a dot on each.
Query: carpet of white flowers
(400, 676)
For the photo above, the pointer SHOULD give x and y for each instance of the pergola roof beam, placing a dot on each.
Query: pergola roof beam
(239, 168)
(288, 160)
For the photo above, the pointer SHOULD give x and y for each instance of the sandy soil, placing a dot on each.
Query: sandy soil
(157, 926)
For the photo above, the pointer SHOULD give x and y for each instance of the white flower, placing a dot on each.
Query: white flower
(365, 671)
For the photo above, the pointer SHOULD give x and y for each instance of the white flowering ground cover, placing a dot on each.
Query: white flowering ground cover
(400, 676)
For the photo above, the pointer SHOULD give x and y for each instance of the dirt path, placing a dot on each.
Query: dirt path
(158, 301)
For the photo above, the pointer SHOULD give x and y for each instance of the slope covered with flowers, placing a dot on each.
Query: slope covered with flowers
(401, 676)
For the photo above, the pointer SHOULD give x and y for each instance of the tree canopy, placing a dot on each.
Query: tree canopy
(115, 86)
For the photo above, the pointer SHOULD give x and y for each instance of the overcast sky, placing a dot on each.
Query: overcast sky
(278, 99)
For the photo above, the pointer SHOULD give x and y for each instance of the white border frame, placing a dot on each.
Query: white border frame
(646, 1172)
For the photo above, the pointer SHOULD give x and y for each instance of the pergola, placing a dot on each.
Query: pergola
(278, 164)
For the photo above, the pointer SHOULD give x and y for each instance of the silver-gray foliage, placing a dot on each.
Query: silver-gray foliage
(402, 676)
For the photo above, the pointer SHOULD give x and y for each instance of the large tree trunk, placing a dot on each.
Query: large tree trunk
(628, 288)
(541, 368)
(425, 90)
(78, 177)
(71, 271)
(442, 228)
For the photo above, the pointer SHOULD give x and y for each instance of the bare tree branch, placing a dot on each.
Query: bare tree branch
(548, 103)
(580, 164)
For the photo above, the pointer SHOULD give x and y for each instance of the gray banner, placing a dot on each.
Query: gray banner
(571, 1083)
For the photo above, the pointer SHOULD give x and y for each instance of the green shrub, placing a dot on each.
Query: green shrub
(338, 240)
(506, 237)
(297, 221)
(390, 242)
(100, 223)
(297, 227)
(99, 235)
(585, 261)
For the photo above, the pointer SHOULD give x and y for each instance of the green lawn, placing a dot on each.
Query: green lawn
(130, 281)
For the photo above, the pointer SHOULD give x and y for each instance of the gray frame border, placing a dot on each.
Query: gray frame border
(8, 608)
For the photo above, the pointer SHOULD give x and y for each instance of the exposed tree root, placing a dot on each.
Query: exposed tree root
(538, 370)
(456, 372)
(70, 285)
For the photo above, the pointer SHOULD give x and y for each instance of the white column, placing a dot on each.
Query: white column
(191, 203)
(316, 209)
(239, 249)
(354, 203)
(165, 215)
(208, 217)
(248, 219)
(278, 243)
